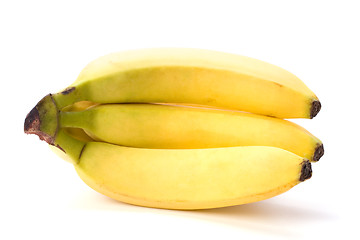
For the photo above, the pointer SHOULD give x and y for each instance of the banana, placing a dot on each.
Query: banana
(177, 127)
(185, 178)
(192, 178)
(216, 147)
(192, 76)
(172, 178)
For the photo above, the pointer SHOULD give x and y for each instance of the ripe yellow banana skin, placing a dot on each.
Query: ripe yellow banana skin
(192, 76)
(190, 179)
(177, 127)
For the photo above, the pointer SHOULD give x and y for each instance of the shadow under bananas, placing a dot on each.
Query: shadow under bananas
(267, 217)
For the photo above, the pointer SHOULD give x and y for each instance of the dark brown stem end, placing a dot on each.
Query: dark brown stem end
(315, 108)
(306, 171)
(32, 126)
(42, 120)
(32, 121)
(319, 152)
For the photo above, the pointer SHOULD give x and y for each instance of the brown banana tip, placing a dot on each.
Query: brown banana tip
(319, 152)
(32, 121)
(315, 108)
(306, 171)
(32, 126)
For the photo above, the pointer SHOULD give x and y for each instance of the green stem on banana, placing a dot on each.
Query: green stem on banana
(74, 119)
(43, 121)
(71, 95)
(71, 146)
(67, 97)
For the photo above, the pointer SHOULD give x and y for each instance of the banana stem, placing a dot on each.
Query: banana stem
(71, 146)
(67, 97)
(74, 119)
(43, 120)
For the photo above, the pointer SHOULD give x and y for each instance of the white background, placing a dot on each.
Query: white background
(44, 45)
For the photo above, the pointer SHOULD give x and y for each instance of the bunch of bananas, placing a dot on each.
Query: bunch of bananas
(182, 128)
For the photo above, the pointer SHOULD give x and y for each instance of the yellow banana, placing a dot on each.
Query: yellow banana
(173, 178)
(166, 126)
(192, 76)
(192, 178)
(185, 178)
(214, 158)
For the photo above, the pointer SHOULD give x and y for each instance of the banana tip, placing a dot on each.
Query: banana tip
(319, 152)
(32, 126)
(32, 121)
(315, 108)
(306, 171)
